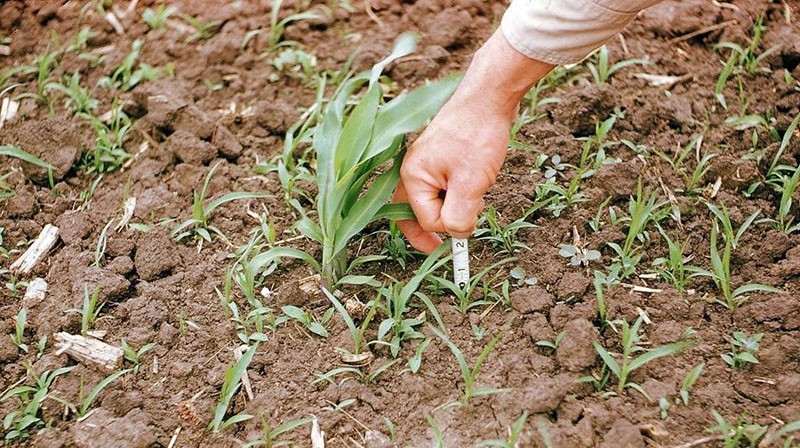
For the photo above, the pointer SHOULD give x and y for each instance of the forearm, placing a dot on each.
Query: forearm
(498, 78)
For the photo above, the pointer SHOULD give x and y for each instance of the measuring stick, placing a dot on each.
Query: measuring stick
(460, 262)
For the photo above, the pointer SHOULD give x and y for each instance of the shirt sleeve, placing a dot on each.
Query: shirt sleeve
(566, 31)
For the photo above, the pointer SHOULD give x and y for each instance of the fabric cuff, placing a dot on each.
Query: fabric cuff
(566, 31)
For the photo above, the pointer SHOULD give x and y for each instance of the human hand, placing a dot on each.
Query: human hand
(446, 172)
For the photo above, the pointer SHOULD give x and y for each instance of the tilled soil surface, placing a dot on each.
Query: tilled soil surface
(218, 101)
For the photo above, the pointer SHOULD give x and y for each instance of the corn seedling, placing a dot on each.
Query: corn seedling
(463, 296)
(157, 18)
(231, 384)
(720, 271)
(499, 236)
(415, 361)
(514, 432)
(277, 27)
(90, 309)
(395, 247)
(688, 382)
(786, 185)
(672, 268)
(135, 356)
(628, 363)
(253, 326)
(748, 59)
(19, 330)
(601, 280)
(470, 374)
(78, 99)
(554, 343)
(743, 349)
(203, 30)
(271, 435)
(198, 225)
(109, 152)
(350, 146)
(394, 301)
(642, 209)
(356, 333)
(82, 408)
(22, 421)
(42, 66)
(735, 435)
(438, 437)
(127, 76)
(700, 170)
(785, 140)
(310, 322)
(363, 375)
(601, 70)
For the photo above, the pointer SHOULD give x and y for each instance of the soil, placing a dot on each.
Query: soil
(228, 106)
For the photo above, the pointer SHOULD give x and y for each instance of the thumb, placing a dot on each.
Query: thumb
(463, 202)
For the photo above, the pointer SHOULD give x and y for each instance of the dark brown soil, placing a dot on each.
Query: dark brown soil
(153, 285)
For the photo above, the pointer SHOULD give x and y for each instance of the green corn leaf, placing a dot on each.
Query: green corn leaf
(462, 362)
(275, 254)
(13, 151)
(404, 45)
(483, 356)
(665, 350)
(359, 280)
(295, 313)
(409, 113)
(747, 357)
(236, 195)
(310, 229)
(396, 212)
(364, 210)
(99, 388)
(607, 358)
(233, 378)
(356, 133)
(754, 287)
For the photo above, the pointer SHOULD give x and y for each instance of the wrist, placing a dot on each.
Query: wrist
(499, 77)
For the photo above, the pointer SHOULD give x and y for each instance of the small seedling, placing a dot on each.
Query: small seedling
(126, 76)
(90, 310)
(109, 152)
(514, 432)
(363, 375)
(198, 225)
(315, 326)
(521, 277)
(415, 362)
(720, 264)
(470, 374)
(578, 256)
(672, 268)
(135, 356)
(231, 384)
(642, 210)
(157, 18)
(19, 330)
(743, 350)
(277, 27)
(271, 435)
(463, 296)
(82, 408)
(79, 100)
(786, 185)
(356, 333)
(501, 237)
(394, 300)
(664, 405)
(22, 421)
(733, 435)
(630, 340)
(554, 343)
(600, 69)
(395, 246)
(688, 382)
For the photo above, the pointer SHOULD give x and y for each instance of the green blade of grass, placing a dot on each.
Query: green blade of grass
(233, 378)
(660, 352)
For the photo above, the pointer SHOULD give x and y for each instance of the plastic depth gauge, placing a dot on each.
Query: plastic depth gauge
(460, 262)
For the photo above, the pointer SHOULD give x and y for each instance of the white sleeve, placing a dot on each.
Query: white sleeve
(566, 31)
